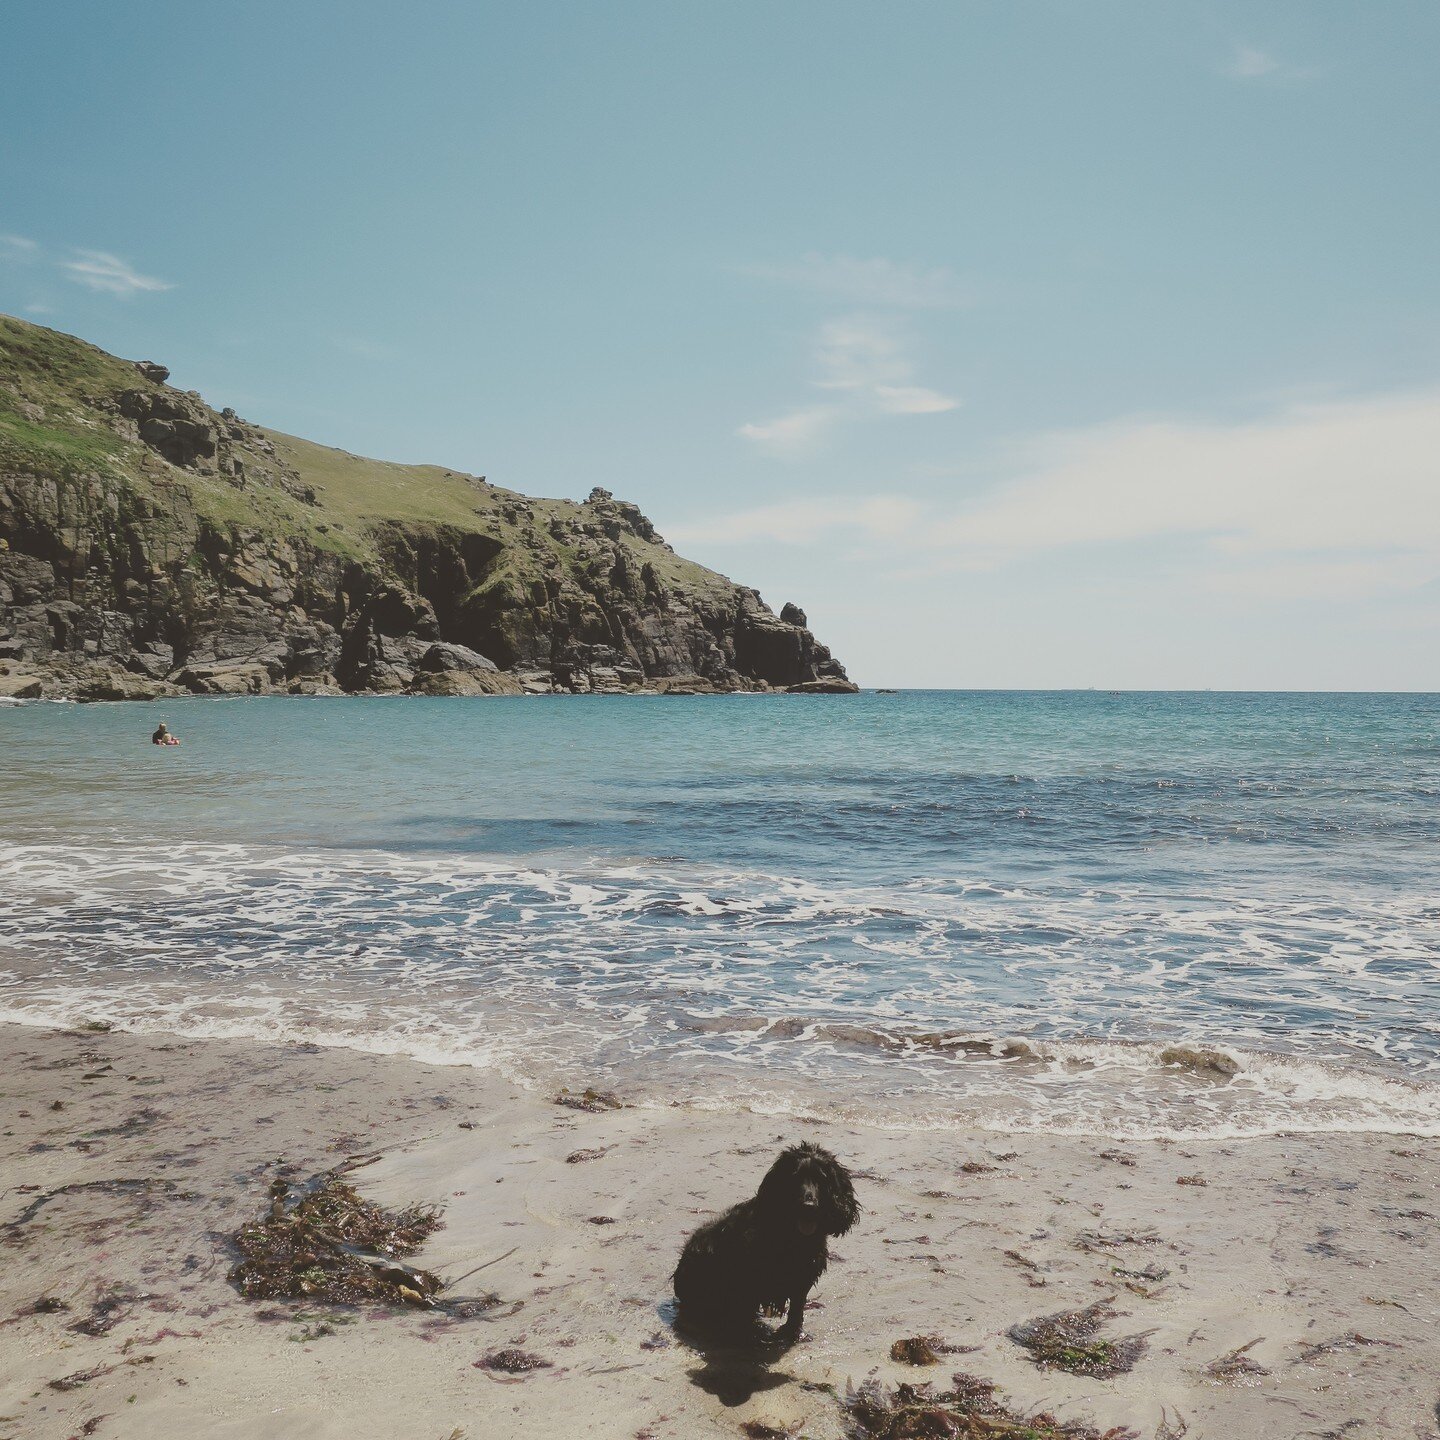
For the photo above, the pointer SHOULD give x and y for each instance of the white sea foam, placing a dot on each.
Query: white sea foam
(934, 1003)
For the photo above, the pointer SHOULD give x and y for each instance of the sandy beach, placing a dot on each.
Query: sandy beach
(130, 1161)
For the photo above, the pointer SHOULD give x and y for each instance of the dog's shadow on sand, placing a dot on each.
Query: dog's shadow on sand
(736, 1366)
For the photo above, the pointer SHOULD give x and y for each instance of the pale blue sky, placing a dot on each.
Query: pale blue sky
(1023, 344)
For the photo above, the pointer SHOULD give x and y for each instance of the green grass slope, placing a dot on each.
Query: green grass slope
(59, 418)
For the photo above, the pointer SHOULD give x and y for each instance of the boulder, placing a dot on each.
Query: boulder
(794, 615)
(444, 657)
(465, 682)
(224, 679)
(175, 426)
(155, 660)
(830, 686)
(110, 684)
(21, 684)
(29, 579)
(682, 685)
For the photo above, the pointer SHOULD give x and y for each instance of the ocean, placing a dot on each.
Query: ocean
(1199, 915)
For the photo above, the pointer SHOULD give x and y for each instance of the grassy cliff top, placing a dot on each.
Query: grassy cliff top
(60, 419)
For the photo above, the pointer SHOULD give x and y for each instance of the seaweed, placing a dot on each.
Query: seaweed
(331, 1245)
(1350, 1340)
(1153, 1274)
(918, 1350)
(1093, 1240)
(1070, 1341)
(1236, 1367)
(10, 1230)
(109, 1309)
(972, 1409)
(1169, 1429)
(589, 1099)
(1032, 1271)
(511, 1361)
(80, 1377)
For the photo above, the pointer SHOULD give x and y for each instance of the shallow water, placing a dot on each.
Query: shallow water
(1121, 914)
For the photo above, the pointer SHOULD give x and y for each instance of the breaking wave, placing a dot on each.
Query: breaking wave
(1074, 1008)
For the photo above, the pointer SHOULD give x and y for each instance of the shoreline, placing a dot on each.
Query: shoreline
(577, 1218)
(30, 685)
(711, 1085)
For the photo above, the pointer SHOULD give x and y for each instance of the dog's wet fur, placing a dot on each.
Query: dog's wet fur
(766, 1253)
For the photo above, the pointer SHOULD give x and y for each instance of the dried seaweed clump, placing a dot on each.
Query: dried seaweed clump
(1236, 1367)
(971, 1409)
(926, 1350)
(511, 1361)
(1351, 1340)
(1071, 1341)
(590, 1099)
(918, 1350)
(332, 1245)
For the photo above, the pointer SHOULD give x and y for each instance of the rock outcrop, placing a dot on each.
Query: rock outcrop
(150, 545)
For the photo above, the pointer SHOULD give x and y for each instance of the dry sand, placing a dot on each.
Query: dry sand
(1289, 1242)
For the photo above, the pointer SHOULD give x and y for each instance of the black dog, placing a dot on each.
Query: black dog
(767, 1252)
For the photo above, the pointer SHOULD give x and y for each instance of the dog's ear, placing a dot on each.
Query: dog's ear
(842, 1209)
(779, 1181)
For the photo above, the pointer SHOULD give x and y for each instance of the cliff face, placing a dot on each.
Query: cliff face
(150, 545)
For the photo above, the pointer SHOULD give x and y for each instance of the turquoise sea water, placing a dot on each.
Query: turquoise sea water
(1121, 914)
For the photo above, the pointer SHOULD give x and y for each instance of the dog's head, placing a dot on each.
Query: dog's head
(807, 1187)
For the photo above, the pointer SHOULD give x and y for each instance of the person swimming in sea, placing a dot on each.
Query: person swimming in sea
(163, 737)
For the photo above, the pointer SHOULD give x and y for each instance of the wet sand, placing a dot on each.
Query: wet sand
(128, 1162)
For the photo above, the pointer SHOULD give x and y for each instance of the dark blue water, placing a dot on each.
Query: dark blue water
(1129, 913)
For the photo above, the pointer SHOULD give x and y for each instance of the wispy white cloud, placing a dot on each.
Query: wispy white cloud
(858, 354)
(794, 432)
(99, 270)
(1247, 62)
(95, 269)
(912, 400)
(863, 362)
(876, 282)
(1343, 477)
(1326, 498)
(861, 359)
(1307, 578)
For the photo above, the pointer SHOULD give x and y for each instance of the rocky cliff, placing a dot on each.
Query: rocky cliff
(150, 545)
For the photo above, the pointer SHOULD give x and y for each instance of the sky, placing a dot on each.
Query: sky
(1022, 344)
